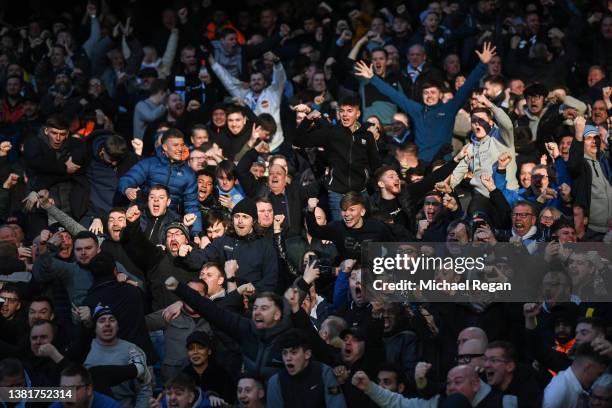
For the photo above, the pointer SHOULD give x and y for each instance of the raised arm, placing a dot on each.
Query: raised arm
(407, 105)
(232, 84)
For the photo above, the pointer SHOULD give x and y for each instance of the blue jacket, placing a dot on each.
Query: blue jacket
(177, 176)
(433, 125)
(523, 194)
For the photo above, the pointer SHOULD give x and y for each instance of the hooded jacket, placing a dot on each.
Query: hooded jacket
(483, 154)
(177, 176)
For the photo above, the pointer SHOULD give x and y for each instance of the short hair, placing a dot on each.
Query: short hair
(10, 367)
(11, 288)
(294, 338)
(160, 187)
(172, 133)
(267, 122)
(509, 349)
(46, 299)
(57, 122)
(226, 168)
(86, 235)
(235, 109)
(453, 224)
(215, 216)
(208, 171)
(352, 198)
(199, 126)
(393, 368)
(116, 147)
(349, 101)
(585, 211)
(121, 210)
(380, 49)
(277, 300)
(410, 148)
(483, 110)
(335, 326)
(252, 376)
(181, 381)
(215, 265)
(597, 323)
(496, 80)
(265, 200)
(8, 249)
(525, 204)
(158, 85)
(432, 84)
(382, 170)
(224, 32)
(37, 323)
(77, 369)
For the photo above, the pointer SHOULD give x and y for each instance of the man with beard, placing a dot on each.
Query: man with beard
(156, 262)
(286, 198)
(401, 345)
(13, 325)
(176, 332)
(62, 95)
(260, 97)
(256, 336)
(255, 255)
(168, 168)
(353, 231)
(504, 373)
(158, 214)
(398, 199)
(303, 381)
(74, 276)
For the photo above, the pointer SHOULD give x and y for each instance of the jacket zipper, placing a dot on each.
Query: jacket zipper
(153, 228)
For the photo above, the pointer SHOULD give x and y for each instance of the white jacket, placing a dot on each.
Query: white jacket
(268, 101)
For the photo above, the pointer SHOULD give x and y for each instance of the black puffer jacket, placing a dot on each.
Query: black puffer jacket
(256, 257)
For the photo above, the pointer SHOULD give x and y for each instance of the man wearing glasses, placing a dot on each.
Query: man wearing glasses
(523, 225)
(504, 374)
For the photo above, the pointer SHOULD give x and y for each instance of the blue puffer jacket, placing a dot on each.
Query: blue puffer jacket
(177, 176)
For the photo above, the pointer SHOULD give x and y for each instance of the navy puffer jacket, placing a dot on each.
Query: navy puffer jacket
(177, 176)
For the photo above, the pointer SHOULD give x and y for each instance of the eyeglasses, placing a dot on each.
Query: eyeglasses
(466, 358)
(521, 215)
(10, 299)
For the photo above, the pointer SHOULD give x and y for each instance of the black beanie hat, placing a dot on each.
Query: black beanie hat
(246, 206)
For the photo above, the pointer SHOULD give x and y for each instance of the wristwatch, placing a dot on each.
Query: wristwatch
(232, 279)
